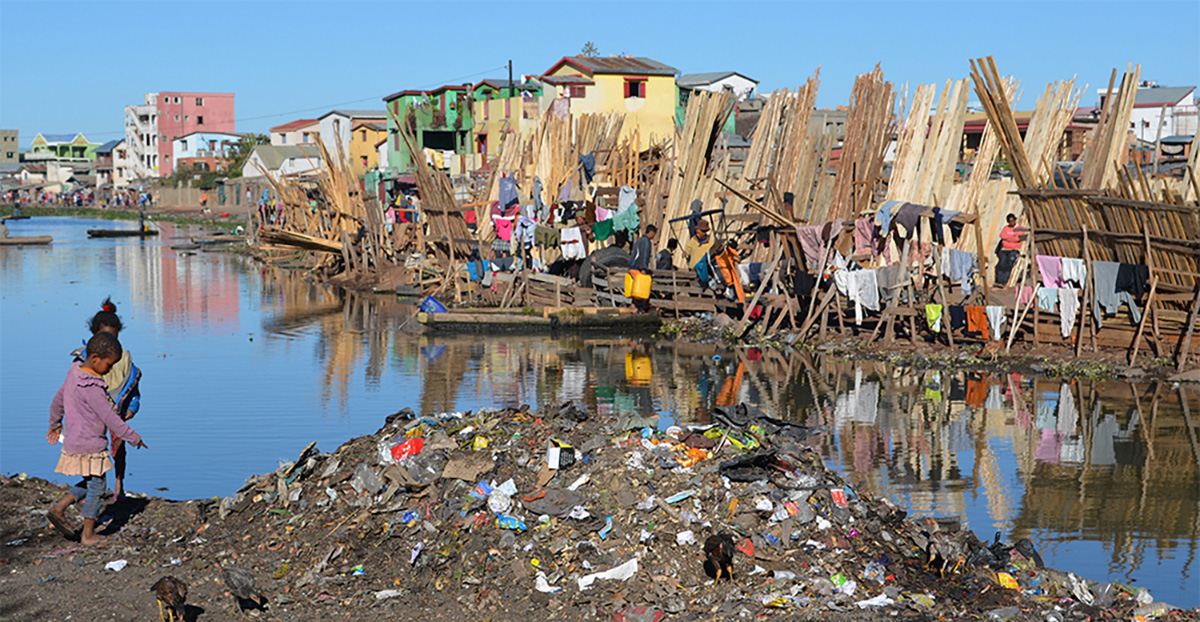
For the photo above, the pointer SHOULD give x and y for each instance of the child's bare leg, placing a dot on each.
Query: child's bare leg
(91, 508)
(58, 517)
(118, 456)
(89, 532)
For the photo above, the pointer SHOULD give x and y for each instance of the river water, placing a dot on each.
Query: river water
(244, 365)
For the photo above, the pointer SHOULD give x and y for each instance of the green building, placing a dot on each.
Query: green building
(441, 120)
(62, 147)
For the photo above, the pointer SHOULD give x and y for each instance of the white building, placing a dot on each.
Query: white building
(335, 127)
(743, 88)
(298, 132)
(281, 161)
(1173, 108)
(141, 138)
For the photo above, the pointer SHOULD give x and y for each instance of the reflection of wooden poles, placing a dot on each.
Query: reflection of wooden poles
(1185, 344)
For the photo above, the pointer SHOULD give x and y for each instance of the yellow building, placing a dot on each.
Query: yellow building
(642, 88)
(498, 110)
(363, 140)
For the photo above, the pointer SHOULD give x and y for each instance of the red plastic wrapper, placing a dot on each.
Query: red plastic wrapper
(839, 497)
(411, 447)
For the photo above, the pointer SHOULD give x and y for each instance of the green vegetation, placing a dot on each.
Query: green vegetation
(207, 180)
(119, 214)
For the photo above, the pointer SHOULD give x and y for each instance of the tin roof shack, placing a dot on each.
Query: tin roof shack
(282, 161)
(641, 88)
(743, 89)
(502, 107)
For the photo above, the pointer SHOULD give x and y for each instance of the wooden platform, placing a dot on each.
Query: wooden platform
(25, 241)
(549, 321)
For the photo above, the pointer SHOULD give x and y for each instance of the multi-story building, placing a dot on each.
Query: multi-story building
(642, 88)
(500, 107)
(364, 156)
(298, 132)
(203, 151)
(150, 128)
(9, 152)
(112, 165)
(335, 127)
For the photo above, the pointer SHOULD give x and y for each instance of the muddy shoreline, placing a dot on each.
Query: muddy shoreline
(348, 535)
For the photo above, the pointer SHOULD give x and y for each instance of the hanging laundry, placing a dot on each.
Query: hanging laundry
(933, 315)
(1047, 298)
(540, 209)
(1074, 271)
(883, 216)
(603, 214)
(958, 317)
(588, 162)
(1024, 295)
(524, 230)
(545, 236)
(572, 243)
(602, 230)
(890, 279)
(1051, 269)
(627, 219)
(1068, 308)
(504, 228)
(865, 238)
(963, 267)
(508, 192)
(1134, 279)
(977, 320)
(996, 317)
(864, 291)
(1107, 296)
(1068, 416)
(943, 221)
(813, 238)
(907, 218)
(564, 195)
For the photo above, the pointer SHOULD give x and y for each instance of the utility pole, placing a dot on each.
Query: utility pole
(510, 82)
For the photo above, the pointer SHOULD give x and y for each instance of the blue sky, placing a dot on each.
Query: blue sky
(287, 60)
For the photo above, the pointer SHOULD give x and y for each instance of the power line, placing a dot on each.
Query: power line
(331, 106)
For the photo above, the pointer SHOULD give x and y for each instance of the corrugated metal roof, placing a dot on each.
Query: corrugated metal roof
(1157, 96)
(692, 80)
(109, 146)
(358, 114)
(567, 80)
(403, 93)
(294, 125)
(618, 64)
(274, 155)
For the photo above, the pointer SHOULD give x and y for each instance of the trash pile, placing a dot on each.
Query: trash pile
(634, 519)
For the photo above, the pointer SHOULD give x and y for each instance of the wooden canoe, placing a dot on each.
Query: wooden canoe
(35, 239)
(121, 233)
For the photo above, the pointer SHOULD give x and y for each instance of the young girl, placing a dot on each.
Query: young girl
(122, 381)
(82, 407)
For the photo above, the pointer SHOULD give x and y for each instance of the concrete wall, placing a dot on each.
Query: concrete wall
(306, 135)
(183, 113)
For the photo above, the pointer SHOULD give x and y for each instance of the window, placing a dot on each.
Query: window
(199, 101)
(283, 139)
(199, 120)
(303, 137)
(166, 100)
(176, 100)
(176, 117)
(576, 92)
(635, 89)
(186, 118)
(9, 155)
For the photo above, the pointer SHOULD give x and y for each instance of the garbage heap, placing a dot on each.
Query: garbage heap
(499, 513)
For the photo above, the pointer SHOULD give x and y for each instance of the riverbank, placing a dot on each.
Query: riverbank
(180, 217)
(394, 525)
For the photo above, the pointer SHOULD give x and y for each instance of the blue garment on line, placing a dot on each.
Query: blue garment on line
(1047, 298)
(883, 217)
(963, 266)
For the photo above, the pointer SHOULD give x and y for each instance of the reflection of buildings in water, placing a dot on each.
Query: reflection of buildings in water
(141, 264)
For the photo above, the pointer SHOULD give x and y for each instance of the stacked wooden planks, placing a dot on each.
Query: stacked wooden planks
(869, 127)
(1108, 148)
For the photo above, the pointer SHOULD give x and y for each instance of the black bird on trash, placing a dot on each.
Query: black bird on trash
(718, 555)
(241, 584)
(172, 593)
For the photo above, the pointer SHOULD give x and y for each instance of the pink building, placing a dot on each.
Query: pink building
(180, 114)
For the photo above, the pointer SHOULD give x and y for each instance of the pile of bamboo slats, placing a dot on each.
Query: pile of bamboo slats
(927, 149)
(1108, 149)
(692, 175)
(869, 128)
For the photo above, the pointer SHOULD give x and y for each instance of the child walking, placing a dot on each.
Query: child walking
(82, 413)
(123, 386)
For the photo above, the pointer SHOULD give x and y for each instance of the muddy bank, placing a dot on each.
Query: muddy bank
(1045, 360)
(459, 516)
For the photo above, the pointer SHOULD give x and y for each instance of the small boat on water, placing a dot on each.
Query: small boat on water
(15, 218)
(121, 233)
(219, 239)
(26, 241)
